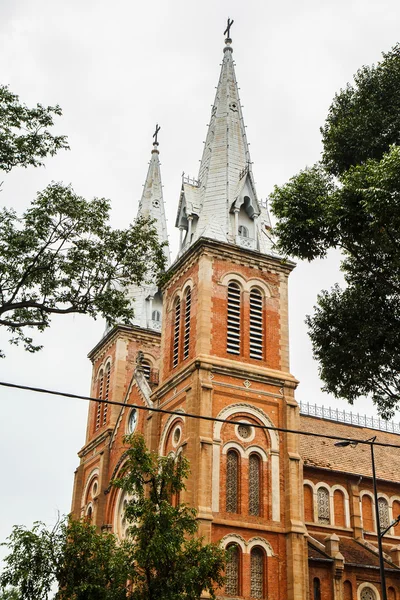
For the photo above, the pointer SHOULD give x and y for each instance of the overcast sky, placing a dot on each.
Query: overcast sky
(117, 68)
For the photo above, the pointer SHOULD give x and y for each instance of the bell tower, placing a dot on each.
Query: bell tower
(125, 369)
(225, 354)
(213, 342)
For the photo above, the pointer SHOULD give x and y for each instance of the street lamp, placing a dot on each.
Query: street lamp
(380, 533)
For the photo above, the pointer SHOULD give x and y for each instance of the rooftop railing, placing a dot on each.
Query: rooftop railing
(348, 417)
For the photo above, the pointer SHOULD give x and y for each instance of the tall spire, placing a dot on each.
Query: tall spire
(222, 203)
(152, 203)
(147, 298)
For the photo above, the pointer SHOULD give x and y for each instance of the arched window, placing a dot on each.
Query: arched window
(391, 593)
(232, 571)
(243, 231)
(257, 562)
(338, 504)
(186, 337)
(256, 324)
(347, 591)
(232, 481)
(146, 366)
(177, 326)
(308, 504)
(89, 514)
(156, 316)
(367, 513)
(396, 513)
(234, 318)
(368, 594)
(254, 486)
(100, 382)
(323, 506)
(383, 509)
(106, 393)
(316, 589)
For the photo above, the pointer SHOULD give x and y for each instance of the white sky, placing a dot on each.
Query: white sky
(117, 68)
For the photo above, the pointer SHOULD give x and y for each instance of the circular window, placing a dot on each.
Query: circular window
(245, 431)
(176, 436)
(132, 422)
(156, 203)
(95, 488)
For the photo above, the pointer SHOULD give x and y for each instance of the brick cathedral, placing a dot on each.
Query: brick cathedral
(298, 511)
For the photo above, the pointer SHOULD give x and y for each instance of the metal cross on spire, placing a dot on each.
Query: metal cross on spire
(155, 134)
(227, 31)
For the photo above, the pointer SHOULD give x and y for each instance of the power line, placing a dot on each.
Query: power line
(191, 415)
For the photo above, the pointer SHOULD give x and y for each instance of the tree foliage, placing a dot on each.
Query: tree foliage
(85, 564)
(25, 137)
(161, 558)
(61, 256)
(170, 561)
(351, 201)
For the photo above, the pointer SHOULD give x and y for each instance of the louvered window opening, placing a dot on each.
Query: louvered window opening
(232, 484)
(257, 573)
(254, 486)
(368, 594)
(186, 338)
(233, 324)
(323, 506)
(100, 396)
(383, 510)
(256, 325)
(232, 572)
(107, 393)
(146, 369)
(175, 358)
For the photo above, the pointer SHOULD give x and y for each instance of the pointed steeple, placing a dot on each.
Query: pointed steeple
(147, 297)
(152, 203)
(222, 203)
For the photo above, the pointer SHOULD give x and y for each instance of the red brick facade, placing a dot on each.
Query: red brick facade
(302, 524)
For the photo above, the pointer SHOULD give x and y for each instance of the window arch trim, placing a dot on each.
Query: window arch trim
(367, 584)
(170, 423)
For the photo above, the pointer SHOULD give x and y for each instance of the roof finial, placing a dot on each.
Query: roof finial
(155, 135)
(227, 31)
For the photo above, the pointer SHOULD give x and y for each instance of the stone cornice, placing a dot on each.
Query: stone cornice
(127, 331)
(229, 368)
(94, 443)
(228, 252)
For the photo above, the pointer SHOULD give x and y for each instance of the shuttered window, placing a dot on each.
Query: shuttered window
(234, 319)
(107, 393)
(100, 396)
(146, 366)
(254, 485)
(186, 337)
(177, 326)
(232, 571)
(257, 573)
(232, 481)
(256, 324)
(323, 505)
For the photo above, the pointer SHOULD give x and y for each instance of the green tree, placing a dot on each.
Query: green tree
(162, 558)
(85, 564)
(350, 201)
(9, 594)
(61, 256)
(170, 561)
